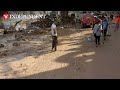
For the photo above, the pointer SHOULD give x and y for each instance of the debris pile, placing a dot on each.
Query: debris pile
(42, 23)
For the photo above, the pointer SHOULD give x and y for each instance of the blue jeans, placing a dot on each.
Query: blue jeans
(116, 26)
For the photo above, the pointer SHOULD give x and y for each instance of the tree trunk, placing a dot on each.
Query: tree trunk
(64, 13)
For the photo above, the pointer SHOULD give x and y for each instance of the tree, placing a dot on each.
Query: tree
(64, 13)
(64, 16)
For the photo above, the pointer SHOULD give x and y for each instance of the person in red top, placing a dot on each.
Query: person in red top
(119, 19)
(117, 22)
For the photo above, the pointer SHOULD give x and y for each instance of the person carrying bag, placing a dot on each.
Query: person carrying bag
(97, 33)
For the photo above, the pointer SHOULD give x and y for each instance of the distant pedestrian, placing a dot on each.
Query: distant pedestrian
(117, 22)
(54, 36)
(104, 27)
(111, 17)
(110, 22)
(96, 19)
(97, 32)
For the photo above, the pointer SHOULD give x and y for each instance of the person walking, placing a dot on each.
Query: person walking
(104, 27)
(109, 26)
(97, 32)
(54, 36)
(111, 17)
(117, 21)
(95, 19)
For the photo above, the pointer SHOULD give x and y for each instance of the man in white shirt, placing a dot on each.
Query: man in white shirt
(53, 30)
(54, 36)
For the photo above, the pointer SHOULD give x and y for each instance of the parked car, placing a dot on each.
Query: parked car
(87, 20)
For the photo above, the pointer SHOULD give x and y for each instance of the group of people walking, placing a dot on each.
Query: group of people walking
(104, 27)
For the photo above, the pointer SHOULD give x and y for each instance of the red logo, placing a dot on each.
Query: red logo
(6, 16)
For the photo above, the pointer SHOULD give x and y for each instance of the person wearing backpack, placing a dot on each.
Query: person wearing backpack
(97, 33)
